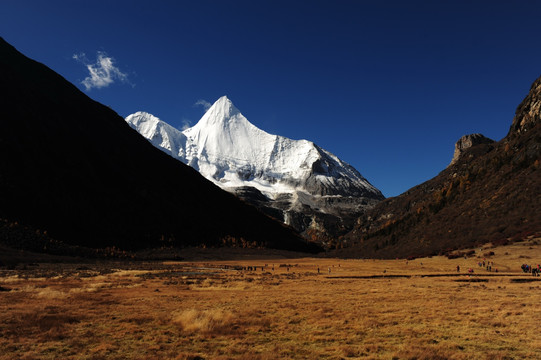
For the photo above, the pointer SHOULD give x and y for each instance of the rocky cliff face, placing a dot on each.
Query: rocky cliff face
(528, 112)
(490, 193)
(466, 142)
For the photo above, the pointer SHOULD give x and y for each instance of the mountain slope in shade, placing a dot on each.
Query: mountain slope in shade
(490, 193)
(73, 167)
(293, 180)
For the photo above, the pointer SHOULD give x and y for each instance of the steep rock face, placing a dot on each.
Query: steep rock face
(305, 183)
(466, 142)
(73, 168)
(528, 113)
(492, 193)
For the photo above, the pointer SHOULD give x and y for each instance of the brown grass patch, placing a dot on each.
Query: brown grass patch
(46, 326)
(217, 321)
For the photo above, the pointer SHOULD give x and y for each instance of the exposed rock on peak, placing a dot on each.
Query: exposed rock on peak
(528, 113)
(466, 142)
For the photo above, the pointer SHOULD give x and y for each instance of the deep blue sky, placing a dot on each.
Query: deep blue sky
(388, 86)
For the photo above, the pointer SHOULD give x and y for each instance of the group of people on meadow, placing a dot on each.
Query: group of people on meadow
(487, 265)
(531, 269)
(527, 269)
(484, 264)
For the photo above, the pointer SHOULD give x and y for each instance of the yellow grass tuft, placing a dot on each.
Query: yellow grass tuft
(48, 293)
(204, 321)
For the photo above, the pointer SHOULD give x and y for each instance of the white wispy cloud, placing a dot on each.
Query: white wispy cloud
(186, 124)
(204, 103)
(102, 73)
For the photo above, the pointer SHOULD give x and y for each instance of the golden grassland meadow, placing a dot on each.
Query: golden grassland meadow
(277, 308)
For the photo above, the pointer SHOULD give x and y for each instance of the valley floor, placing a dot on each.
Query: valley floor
(276, 309)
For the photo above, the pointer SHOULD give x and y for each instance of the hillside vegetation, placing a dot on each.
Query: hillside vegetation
(492, 193)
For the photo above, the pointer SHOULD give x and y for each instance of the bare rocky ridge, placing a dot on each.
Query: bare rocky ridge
(466, 142)
(528, 113)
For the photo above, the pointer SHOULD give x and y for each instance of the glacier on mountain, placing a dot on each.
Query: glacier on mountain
(236, 155)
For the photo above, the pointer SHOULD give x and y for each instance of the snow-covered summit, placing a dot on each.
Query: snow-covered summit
(224, 143)
(222, 112)
(229, 150)
(159, 133)
(236, 155)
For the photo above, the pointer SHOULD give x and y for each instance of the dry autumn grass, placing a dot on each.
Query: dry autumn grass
(364, 309)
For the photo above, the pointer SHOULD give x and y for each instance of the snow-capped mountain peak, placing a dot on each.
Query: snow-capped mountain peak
(159, 133)
(233, 153)
(226, 138)
(220, 113)
(229, 150)
(223, 117)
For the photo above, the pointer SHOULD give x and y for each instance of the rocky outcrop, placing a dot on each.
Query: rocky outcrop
(466, 142)
(528, 113)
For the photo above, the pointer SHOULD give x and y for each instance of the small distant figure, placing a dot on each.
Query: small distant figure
(458, 268)
(329, 269)
(318, 269)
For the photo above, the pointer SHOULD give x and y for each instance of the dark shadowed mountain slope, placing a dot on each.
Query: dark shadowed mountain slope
(73, 167)
(491, 192)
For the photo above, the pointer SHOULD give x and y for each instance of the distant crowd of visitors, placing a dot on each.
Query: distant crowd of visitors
(488, 265)
(534, 270)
